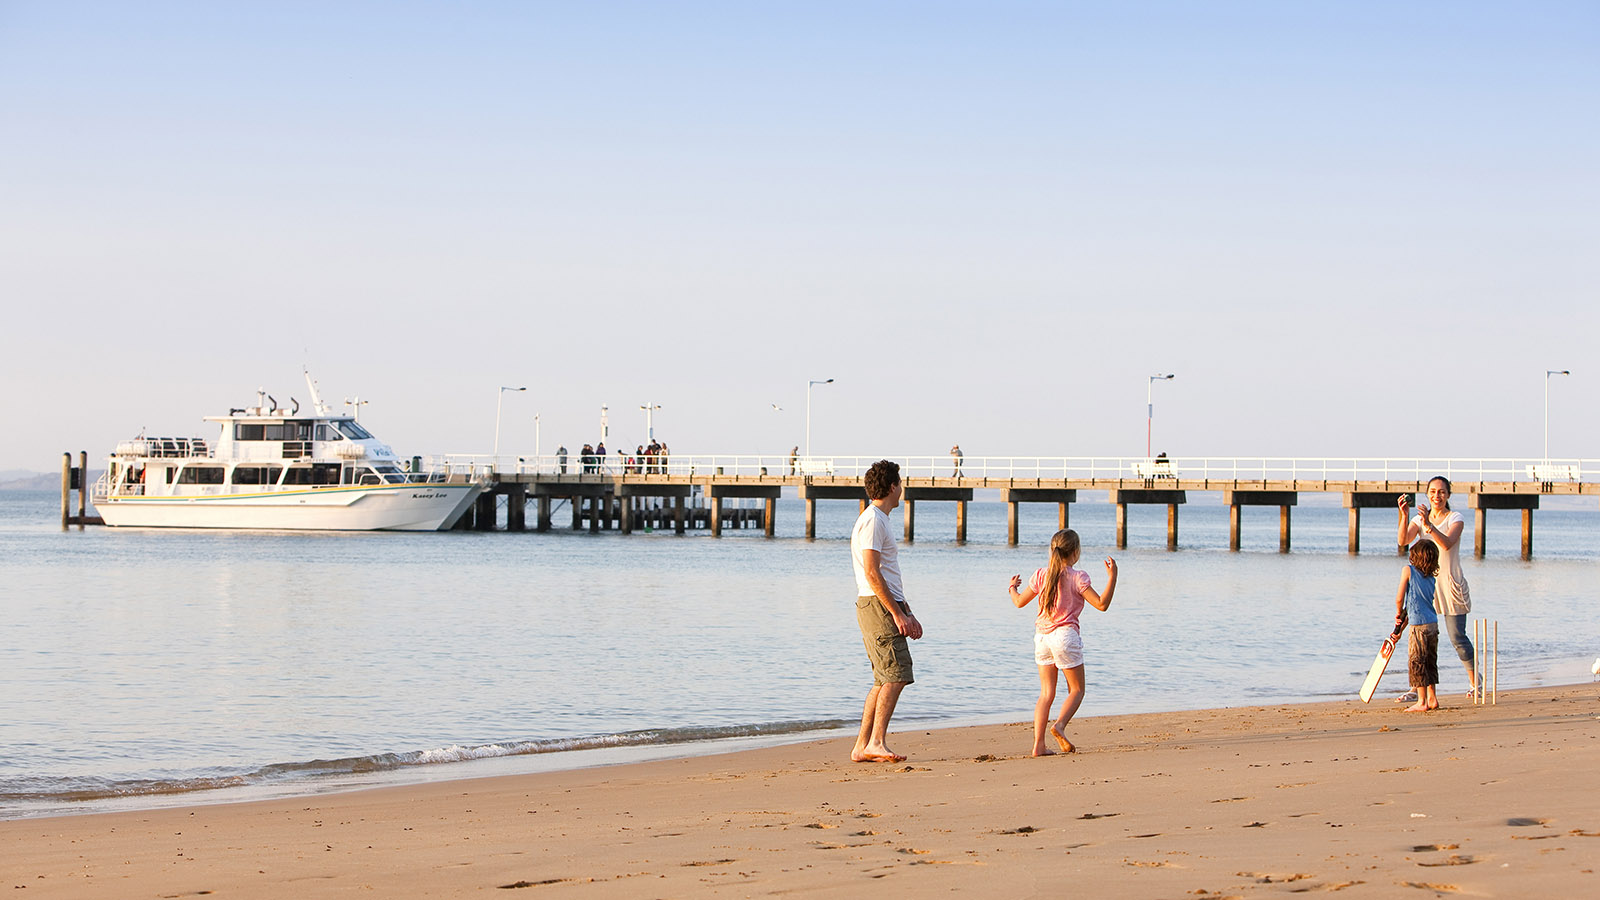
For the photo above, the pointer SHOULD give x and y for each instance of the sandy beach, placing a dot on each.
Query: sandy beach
(1362, 800)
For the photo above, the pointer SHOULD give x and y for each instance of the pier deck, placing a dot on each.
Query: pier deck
(619, 491)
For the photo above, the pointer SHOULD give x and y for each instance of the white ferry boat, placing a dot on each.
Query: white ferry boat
(274, 468)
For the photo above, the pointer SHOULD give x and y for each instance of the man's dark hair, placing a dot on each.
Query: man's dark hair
(881, 479)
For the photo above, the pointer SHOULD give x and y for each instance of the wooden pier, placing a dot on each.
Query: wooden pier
(693, 494)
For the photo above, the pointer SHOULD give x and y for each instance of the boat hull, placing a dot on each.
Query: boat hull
(387, 507)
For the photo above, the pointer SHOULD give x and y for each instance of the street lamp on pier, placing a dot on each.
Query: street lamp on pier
(1150, 408)
(809, 385)
(499, 402)
(649, 420)
(1547, 374)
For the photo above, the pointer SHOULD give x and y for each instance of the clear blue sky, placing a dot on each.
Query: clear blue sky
(1349, 228)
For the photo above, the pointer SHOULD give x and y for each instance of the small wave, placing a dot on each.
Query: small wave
(84, 788)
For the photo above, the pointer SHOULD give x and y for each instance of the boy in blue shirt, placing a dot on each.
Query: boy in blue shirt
(1414, 603)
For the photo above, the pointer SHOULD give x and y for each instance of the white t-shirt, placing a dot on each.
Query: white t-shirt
(872, 533)
(1451, 596)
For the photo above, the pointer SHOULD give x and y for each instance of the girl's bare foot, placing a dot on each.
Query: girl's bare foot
(1066, 745)
(1419, 707)
(1043, 751)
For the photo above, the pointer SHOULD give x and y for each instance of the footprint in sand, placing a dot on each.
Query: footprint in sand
(1098, 815)
(1429, 886)
(1453, 860)
(1526, 822)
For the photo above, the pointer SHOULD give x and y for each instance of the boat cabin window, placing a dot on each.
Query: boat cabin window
(200, 475)
(326, 432)
(256, 474)
(320, 473)
(353, 430)
(275, 431)
(391, 474)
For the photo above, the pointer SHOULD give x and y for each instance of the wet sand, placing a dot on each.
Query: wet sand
(1366, 801)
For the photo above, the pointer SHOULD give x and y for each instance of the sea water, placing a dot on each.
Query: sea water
(149, 666)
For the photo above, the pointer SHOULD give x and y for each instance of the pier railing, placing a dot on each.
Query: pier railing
(1050, 468)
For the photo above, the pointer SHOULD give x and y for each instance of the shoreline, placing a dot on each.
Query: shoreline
(1219, 802)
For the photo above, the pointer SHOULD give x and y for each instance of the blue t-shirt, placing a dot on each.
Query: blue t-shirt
(1419, 599)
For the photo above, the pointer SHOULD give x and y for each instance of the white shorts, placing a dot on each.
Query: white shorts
(1062, 648)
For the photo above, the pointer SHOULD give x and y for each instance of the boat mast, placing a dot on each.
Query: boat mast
(317, 406)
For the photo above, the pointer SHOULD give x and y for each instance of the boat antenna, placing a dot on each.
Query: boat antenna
(317, 406)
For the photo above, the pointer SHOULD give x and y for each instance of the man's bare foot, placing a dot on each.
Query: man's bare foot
(1061, 739)
(1419, 707)
(871, 753)
(1043, 751)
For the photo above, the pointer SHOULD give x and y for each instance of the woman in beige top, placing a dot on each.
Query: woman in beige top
(1437, 522)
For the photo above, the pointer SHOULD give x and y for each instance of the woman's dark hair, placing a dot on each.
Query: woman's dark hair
(881, 479)
(1425, 556)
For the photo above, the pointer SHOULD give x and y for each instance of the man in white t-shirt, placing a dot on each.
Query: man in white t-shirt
(881, 612)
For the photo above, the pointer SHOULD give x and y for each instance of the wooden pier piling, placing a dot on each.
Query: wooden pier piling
(1124, 496)
(1482, 502)
(1236, 499)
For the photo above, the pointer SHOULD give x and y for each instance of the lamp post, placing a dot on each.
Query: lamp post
(499, 402)
(809, 385)
(537, 463)
(1547, 374)
(1150, 408)
(649, 420)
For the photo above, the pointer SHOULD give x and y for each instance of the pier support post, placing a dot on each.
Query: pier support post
(1061, 516)
(594, 513)
(83, 489)
(1353, 542)
(486, 511)
(1172, 526)
(1011, 522)
(1481, 504)
(1284, 500)
(1124, 496)
(543, 521)
(678, 514)
(66, 490)
(811, 519)
(961, 521)
(517, 508)
(910, 516)
(577, 512)
(716, 516)
(770, 517)
(1122, 526)
(627, 514)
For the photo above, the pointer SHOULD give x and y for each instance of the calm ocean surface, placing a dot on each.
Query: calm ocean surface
(141, 668)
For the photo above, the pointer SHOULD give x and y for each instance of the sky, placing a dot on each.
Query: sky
(1349, 229)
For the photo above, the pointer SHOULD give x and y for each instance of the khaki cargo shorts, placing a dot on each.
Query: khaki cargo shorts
(886, 646)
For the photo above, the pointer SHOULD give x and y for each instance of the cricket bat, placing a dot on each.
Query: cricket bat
(1381, 663)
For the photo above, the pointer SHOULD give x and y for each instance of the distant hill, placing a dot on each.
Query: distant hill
(23, 480)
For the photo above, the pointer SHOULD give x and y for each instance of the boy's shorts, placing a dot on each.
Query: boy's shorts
(886, 646)
(1062, 648)
(1422, 657)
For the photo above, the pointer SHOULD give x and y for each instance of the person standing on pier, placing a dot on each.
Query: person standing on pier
(1437, 522)
(882, 614)
(561, 458)
(794, 457)
(955, 456)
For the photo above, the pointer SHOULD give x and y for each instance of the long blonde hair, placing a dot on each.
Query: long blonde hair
(1063, 549)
